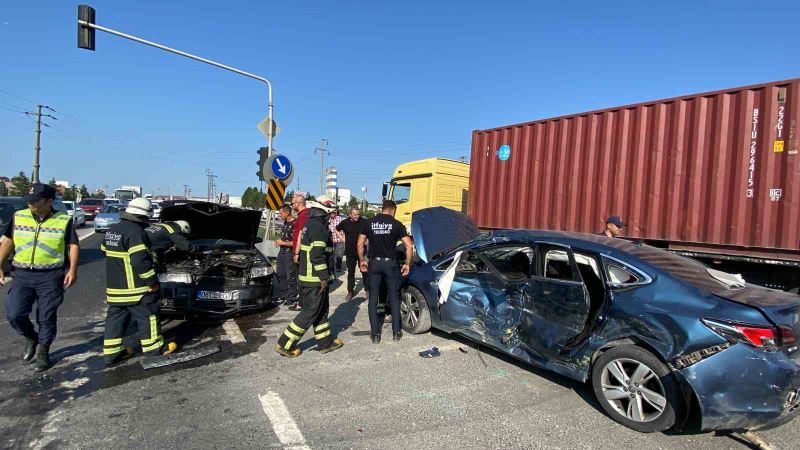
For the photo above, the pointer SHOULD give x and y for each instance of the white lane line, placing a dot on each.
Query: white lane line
(89, 232)
(282, 422)
(233, 331)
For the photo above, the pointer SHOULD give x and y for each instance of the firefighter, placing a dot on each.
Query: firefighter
(132, 289)
(313, 277)
(164, 237)
(45, 262)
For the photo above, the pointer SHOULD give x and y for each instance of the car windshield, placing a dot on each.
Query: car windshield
(111, 209)
(681, 267)
(8, 207)
(69, 205)
(90, 202)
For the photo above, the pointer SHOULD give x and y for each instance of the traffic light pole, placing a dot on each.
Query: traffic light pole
(196, 58)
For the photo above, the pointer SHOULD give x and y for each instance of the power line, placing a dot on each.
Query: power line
(19, 97)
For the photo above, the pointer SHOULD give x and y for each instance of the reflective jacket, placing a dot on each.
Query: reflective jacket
(315, 249)
(163, 236)
(129, 266)
(39, 245)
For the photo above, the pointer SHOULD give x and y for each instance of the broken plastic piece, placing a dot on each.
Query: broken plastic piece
(151, 362)
(432, 353)
(462, 350)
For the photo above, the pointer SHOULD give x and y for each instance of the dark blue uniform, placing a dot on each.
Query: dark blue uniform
(285, 288)
(43, 287)
(383, 231)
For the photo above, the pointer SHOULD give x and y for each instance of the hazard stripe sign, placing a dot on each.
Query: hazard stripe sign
(276, 191)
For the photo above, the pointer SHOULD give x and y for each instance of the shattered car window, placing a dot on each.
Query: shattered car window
(556, 265)
(512, 261)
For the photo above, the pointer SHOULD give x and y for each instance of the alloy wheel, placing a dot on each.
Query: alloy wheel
(633, 390)
(409, 310)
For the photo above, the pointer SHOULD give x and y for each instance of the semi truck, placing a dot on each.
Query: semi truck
(714, 176)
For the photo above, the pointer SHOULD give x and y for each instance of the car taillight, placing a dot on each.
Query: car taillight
(788, 338)
(755, 335)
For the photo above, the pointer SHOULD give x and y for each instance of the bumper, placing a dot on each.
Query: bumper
(182, 299)
(743, 388)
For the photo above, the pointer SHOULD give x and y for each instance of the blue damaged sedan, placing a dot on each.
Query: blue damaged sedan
(660, 337)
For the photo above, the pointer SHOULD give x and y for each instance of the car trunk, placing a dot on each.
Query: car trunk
(210, 221)
(781, 308)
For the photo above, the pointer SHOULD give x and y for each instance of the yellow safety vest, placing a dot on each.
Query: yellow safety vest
(39, 245)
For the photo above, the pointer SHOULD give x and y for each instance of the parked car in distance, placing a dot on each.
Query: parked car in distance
(660, 337)
(76, 213)
(109, 216)
(92, 207)
(156, 211)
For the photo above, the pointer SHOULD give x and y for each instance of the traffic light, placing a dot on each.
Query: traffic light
(85, 34)
(263, 154)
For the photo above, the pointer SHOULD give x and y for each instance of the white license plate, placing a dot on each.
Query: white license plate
(210, 295)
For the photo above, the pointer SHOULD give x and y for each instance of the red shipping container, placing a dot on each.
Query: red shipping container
(716, 173)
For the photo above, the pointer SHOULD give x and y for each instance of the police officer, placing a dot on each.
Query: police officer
(312, 280)
(286, 271)
(383, 231)
(46, 244)
(165, 236)
(132, 289)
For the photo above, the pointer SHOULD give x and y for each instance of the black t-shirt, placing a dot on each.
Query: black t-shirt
(383, 232)
(351, 232)
(286, 235)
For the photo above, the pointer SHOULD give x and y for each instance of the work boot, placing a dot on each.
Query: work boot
(349, 296)
(337, 343)
(295, 307)
(42, 362)
(293, 353)
(397, 336)
(30, 350)
(376, 338)
(126, 353)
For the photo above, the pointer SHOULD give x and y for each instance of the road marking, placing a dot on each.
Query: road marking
(89, 232)
(232, 330)
(282, 423)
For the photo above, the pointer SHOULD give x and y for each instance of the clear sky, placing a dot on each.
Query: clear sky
(384, 82)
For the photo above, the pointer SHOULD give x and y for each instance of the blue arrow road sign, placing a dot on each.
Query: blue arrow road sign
(281, 167)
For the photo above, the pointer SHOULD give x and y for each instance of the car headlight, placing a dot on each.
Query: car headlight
(175, 278)
(256, 272)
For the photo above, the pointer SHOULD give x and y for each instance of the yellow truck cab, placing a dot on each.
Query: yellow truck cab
(428, 182)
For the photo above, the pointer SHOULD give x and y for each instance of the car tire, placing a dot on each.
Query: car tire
(415, 316)
(653, 405)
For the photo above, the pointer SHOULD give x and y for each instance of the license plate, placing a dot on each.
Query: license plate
(209, 295)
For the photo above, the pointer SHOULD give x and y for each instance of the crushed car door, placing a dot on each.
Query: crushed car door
(484, 300)
(557, 305)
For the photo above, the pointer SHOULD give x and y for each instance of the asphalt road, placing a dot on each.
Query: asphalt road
(361, 396)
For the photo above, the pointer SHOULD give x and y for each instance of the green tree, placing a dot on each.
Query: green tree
(20, 184)
(353, 203)
(84, 191)
(288, 197)
(52, 182)
(3, 189)
(99, 194)
(70, 193)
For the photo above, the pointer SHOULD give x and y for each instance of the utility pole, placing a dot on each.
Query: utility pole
(211, 177)
(322, 151)
(37, 139)
(186, 191)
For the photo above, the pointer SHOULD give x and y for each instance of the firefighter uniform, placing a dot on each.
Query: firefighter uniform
(164, 236)
(130, 274)
(313, 277)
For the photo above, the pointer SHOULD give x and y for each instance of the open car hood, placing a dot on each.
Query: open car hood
(437, 230)
(214, 221)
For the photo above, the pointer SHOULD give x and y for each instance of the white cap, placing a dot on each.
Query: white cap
(139, 207)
